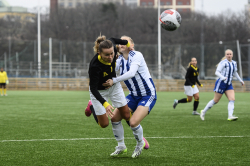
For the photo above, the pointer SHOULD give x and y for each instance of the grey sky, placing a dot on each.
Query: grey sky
(209, 6)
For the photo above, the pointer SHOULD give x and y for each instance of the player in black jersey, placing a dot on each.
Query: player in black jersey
(102, 68)
(190, 88)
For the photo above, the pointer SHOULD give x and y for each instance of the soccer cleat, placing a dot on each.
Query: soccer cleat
(88, 110)
(195, 113)
(119, 150)
(1, 94)
(146, 143)
(138, 150)
(175, 103)
(5, 95)
(232, 118)
(202, 115)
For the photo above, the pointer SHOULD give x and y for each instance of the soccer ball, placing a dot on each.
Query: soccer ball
(170, 20)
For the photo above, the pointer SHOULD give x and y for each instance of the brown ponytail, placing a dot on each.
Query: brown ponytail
(97, 43)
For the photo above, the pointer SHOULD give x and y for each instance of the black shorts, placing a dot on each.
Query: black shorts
(2, 84)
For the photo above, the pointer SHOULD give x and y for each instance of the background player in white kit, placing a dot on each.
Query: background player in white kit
(225, 71)
(141, 99)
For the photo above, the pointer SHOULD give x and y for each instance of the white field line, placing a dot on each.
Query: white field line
(79, 139)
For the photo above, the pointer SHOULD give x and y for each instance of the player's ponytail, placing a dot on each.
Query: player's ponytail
(97, 42)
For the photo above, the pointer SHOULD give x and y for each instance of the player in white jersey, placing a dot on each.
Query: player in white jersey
(226, 69)
(141, 99)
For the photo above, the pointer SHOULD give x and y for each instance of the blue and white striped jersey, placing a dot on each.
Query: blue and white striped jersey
(227, 69)
(141, 84)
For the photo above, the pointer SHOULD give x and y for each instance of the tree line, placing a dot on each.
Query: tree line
(86, 23)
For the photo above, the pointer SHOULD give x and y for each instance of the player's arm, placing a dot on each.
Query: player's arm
(136, 62)
(238, 77)
(121, 42)
(129, 74)
(187, 77)
(197, 80)
(218, 71)
(94, 78)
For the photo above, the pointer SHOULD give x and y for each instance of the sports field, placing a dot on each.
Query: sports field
(50, 128)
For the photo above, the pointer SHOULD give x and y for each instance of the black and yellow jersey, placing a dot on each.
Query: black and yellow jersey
(100, 71)
(192, 76)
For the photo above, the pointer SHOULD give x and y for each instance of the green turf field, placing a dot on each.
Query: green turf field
(50, 128)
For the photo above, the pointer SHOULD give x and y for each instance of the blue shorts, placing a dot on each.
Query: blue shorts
(221, 87)
(135, 101)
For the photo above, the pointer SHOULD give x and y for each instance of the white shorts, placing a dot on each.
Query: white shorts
(189, 91)
(114, 93)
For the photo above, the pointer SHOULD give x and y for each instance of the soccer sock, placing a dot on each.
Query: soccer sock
(93, 112)
(118, 132)
(209, 105)
(230, 108)
(138, 133)
(185, 100)
(196, 103)
(4, 91)
(129, 119)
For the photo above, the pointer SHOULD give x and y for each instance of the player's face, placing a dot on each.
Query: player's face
(193, 61)
(229, 55)
(1, 69)
(107, 54)
(124, 48)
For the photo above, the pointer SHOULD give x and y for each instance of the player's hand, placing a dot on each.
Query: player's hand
(201, 85)
(108, 83)
(109, 111)
(242, 83)
(192, 86)
(225, 78)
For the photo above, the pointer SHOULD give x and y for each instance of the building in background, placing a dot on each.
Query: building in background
(131, 3)
(179, 5)
(13, 13)
(80, 3)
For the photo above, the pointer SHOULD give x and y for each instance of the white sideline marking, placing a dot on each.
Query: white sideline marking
(78, 139)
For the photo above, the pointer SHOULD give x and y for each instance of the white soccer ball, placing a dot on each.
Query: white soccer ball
(170, 20)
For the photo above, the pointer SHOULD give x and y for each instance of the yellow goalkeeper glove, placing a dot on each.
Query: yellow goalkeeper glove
(201, 85)
(192, 86)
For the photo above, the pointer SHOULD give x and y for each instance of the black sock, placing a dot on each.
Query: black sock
(196, 103)
(129, 119)
(93, 112)
(185, 100)
(128, 123)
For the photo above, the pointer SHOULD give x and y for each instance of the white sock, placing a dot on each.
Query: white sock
(118, 132)
(209, 105)
(230, 108)
(138, 134)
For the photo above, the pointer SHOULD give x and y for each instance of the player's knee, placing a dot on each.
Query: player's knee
(133, 123)
(126, 116)
(189, 100)
(104, 124)
(197, 98)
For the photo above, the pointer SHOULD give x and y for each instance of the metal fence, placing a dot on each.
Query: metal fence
(71, 59)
